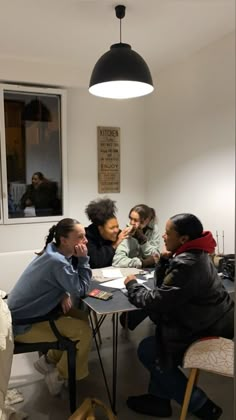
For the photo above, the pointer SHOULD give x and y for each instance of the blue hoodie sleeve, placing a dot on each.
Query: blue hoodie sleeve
(75, 281)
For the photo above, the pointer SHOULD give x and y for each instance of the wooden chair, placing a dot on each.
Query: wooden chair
(213, 354)
(87, 410)
(61, 343)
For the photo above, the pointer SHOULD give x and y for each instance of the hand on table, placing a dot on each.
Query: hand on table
(129, 278)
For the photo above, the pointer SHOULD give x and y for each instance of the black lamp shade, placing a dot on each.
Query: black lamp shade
(121, 73)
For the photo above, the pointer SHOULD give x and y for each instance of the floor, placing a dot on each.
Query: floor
(132, 380)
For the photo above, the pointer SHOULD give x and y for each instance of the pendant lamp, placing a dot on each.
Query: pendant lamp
(120, 73)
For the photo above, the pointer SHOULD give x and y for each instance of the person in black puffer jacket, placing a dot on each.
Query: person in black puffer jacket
(188, 302)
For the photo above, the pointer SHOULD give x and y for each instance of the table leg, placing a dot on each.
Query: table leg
(97, 327)
(94, 328)
(115, 350)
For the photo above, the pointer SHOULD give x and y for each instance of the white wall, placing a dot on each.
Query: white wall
(85, 113)
(191, 125)
(38, 72)
(12, 265)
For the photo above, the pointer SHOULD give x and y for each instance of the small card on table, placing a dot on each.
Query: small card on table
(100, 294)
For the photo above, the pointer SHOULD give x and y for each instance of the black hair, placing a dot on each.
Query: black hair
(62, 228)
(40, 175)
(187, 224)
(101, 210)
(144, 212)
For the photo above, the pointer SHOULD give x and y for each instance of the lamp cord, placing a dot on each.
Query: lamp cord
(120, 13)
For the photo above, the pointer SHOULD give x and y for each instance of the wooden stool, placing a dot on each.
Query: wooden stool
(213, 354)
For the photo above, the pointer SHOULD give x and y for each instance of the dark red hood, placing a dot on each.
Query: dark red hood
(206, 243)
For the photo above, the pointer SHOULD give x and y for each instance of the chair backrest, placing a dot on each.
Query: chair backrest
(214, 355)
(17, 190)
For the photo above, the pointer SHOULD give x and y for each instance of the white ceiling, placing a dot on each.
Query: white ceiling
(78, 32)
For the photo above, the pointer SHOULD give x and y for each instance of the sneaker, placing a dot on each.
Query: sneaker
(42, 366)
(209, 411)
(150, 405)
(54, 382)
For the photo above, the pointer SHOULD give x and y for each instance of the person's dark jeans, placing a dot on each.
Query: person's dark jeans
(134, 318)
(170, 383)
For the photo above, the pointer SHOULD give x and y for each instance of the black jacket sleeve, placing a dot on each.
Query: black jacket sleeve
(174, 287)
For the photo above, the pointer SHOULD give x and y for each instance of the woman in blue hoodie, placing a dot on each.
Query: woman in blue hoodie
(48, 281)
(188, 302)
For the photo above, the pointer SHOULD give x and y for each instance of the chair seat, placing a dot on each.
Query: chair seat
(62, 343)
(214, 355)
(42, 347)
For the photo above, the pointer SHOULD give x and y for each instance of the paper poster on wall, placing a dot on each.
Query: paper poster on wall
(108, 141)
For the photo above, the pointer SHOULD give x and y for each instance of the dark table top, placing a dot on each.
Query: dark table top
(120, 302)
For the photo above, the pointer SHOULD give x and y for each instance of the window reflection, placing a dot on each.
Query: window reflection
(33, 153)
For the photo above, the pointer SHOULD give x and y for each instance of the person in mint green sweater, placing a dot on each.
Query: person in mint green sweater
(48, 281)
(142, 248)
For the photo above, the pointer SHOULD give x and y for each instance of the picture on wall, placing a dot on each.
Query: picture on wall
(108, 143)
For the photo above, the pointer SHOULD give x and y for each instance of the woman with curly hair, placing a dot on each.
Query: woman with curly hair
(103, 234)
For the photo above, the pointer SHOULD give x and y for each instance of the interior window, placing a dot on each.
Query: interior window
(33, 154)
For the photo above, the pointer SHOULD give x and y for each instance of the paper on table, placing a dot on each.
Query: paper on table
(112, 273)
(119, 283)
(100, 278)
(149, 275)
